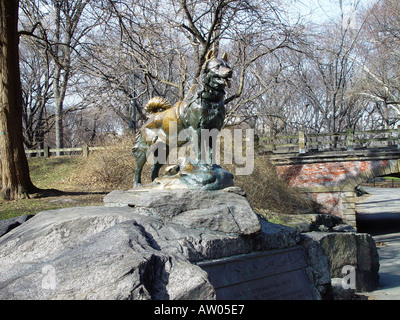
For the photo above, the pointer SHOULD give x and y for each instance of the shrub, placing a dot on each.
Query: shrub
(108, 169)
(268, 193)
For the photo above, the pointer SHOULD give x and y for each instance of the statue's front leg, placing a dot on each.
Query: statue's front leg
(211, 156)
(195, 139)
(201, 153)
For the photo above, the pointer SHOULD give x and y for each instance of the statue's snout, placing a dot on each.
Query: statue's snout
(228, 72)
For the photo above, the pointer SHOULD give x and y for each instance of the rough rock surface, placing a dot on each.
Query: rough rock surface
(351, 249)
(138, 251)
(318, 222)
(99, 253)
(318, 271)
(9, 224)
(341, 293)
(225, 210)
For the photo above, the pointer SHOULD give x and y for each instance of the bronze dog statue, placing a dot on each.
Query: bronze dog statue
(202, 108)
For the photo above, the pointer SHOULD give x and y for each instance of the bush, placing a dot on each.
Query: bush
(108, 169)
(268, 193)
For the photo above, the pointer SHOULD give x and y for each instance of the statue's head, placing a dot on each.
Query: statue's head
(216, 72)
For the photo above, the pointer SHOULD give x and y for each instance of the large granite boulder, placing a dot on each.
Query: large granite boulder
(137, 250)
(99, 253)
(351, 249)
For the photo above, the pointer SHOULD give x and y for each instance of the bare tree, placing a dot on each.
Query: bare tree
(36, 80)
(288, 75)
(379, 59)
(60, 27)
(163, 45)
(323, 73)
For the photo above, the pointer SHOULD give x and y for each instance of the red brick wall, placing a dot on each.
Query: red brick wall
(321, 176)
(325, 174)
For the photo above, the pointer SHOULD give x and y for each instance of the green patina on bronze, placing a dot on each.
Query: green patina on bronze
(202, 108)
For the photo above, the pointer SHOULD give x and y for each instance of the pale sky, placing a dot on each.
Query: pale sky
(324, 10)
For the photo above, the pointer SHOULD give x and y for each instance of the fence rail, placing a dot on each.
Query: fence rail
(47, 151)
(299, 143)
(349, 140)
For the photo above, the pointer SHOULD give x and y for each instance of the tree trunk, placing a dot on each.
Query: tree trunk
(59, 123)
(16, 182)
(58, 99)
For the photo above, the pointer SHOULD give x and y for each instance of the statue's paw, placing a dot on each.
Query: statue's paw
(204, 165)
(172, 170)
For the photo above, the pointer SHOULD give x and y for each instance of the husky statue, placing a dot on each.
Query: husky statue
(202, 108)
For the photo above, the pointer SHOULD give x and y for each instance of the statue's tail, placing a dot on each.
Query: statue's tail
(140, 145)
(157, 104)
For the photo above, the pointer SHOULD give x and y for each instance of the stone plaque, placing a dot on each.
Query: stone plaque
(266, 275)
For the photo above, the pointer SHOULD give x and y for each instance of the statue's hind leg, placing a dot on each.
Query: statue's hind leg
(160, 158)
(140, 161)
(140, 152)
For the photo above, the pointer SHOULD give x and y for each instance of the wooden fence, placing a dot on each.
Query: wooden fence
(350, 140)
(299, 143)
(47, 151)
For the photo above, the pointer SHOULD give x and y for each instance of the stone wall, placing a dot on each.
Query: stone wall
(331, 184)
(343, 247)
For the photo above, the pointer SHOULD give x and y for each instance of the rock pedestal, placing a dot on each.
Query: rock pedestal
(144, 244)
(225, 210)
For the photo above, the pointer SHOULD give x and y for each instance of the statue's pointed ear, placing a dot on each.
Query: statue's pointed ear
(225, 57)
(210, 55)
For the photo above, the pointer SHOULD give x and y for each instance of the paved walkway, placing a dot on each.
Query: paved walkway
(389, 271)
(379, 215)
